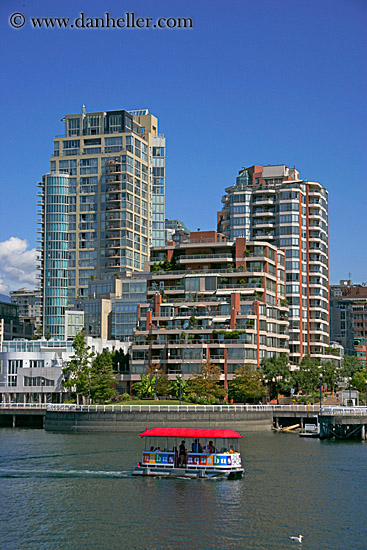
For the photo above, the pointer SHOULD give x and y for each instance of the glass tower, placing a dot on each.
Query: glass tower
(54, 254)
(116, 166)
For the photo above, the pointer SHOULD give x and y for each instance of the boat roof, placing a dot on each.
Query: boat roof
(192, 432)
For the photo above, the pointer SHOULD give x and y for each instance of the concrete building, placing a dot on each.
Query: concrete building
(273, 204)
(176, 231)
(10, 324)
(109, 169)
(221, 300)
(341, 320)
(31, 371)
(110, 307)
(351, 299)
(29, 304)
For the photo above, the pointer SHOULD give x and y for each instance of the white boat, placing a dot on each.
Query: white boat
(191, 452)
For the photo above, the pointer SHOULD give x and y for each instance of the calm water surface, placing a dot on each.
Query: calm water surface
(75, 491)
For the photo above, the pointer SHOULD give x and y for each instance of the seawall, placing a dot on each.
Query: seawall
(135, 421)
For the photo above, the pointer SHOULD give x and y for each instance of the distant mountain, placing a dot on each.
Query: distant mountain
(4, 298)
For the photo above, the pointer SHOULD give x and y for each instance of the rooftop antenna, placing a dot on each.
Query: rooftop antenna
(84, 112)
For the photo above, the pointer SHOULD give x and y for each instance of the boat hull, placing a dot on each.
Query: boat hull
(187, 472)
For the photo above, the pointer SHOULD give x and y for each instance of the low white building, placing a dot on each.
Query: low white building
(31, 370)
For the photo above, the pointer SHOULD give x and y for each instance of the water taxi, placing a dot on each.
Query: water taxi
(191, 452)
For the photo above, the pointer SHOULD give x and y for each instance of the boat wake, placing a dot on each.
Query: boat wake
(29, 473)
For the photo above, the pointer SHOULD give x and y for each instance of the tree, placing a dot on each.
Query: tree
(102, 385)
(206, 382)
(246, 384)
(330, 374)
(193, 322)
(350, 365)
(359, 380)
(185, 387)
(276, 374)
(144, 388)
(77, 369)
(154, 379)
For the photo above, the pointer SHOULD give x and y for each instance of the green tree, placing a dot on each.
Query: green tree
(75, 374)
(276, 374)
(154, 379)
(185, 387)
(308, 375)
(146, 386)
(102, 379)
(193, 322)
(206, 382)
(350, 365)
(359, 380)
(331, 373)
(246, 384)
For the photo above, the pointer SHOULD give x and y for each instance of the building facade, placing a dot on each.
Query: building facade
(114, 168)
(29, 304)
(11, 325)
(351, 300)
(110, 308)
(31, 371)
(219, 300)
(273, 204)
(176, 231)
(54, 251)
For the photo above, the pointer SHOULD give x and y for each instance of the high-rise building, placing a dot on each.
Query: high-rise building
(217, 300)
(176, 231)
(273, 204)
(54, 229)
(348, 310)
(114, 168)
(29, 304)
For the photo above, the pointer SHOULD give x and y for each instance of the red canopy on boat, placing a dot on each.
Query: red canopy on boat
(191, 432)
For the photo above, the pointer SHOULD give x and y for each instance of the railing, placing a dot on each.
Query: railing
(206, 256)
(17, 406)
(335, 411)
(182, 408)
(344, 411)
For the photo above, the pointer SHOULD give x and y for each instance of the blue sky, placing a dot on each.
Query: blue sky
(254, 82)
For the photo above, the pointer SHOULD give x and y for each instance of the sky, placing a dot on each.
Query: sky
(253, 82)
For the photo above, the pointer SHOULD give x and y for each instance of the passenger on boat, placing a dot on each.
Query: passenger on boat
(175, 463)
(183, 454)
(231, 449)
(211, 448)
(196, 447)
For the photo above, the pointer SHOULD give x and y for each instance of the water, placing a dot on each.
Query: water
(75, 491)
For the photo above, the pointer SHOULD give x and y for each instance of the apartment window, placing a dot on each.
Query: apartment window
(71, 147)
(73, 126)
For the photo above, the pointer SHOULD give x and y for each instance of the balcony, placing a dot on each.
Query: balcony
(206, 257)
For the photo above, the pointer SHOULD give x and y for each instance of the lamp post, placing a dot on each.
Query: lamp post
(42, 384)
(266, 387)
(320, 376)
(179, 380)
(89, 378)
(156, 384)
(350, 390)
